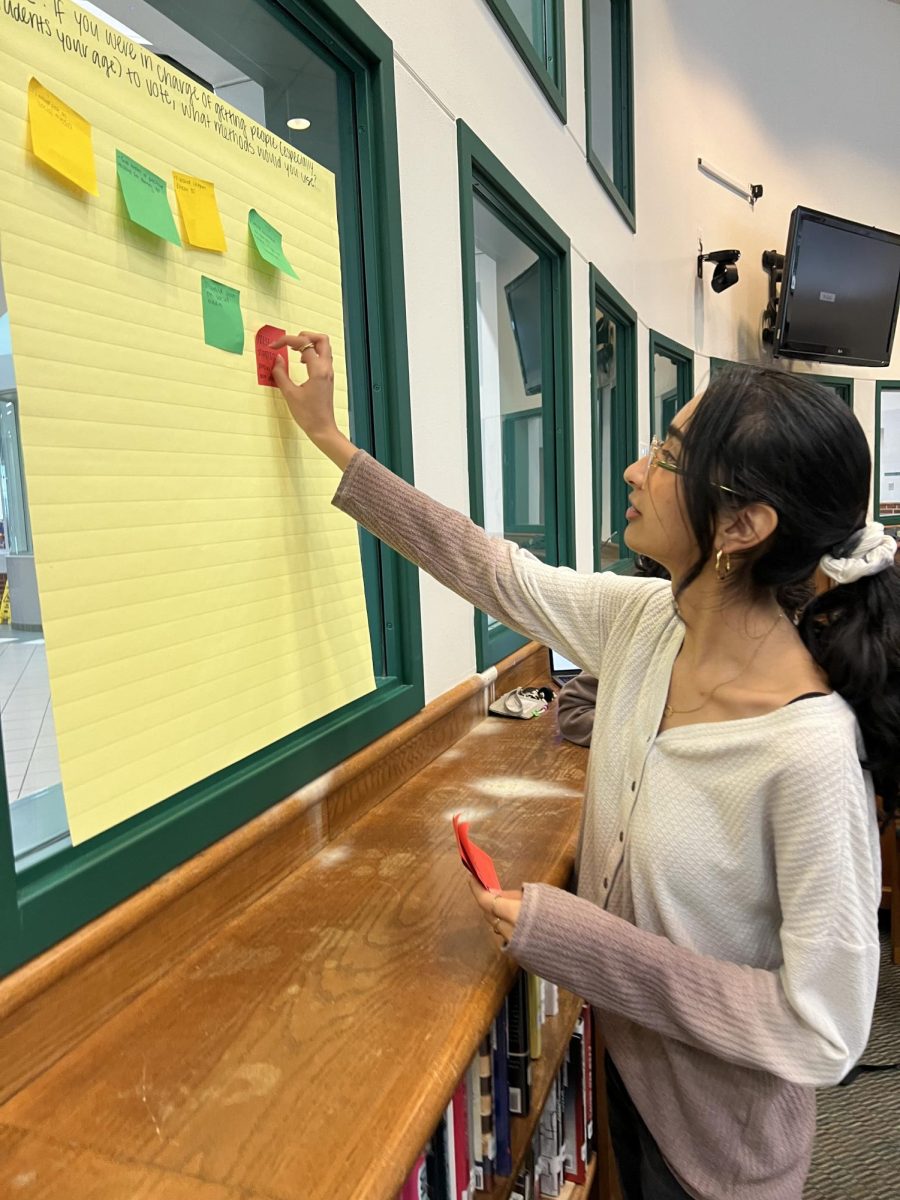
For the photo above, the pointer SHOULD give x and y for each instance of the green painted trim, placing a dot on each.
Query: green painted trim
(548, 69)
(840, 383)
(623, 449)
(892, 385)
(683, 358)
(620, 187)
(482, 174)
(50, 900)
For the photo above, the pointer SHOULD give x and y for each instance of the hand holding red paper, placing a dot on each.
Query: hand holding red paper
(500, 909)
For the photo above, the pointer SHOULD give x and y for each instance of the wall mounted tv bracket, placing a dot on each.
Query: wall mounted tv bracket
(773, 265)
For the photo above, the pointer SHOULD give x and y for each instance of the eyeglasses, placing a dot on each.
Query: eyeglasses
(658, 456)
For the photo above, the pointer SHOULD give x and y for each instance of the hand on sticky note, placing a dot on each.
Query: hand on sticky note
(266, 355)
(474, 858)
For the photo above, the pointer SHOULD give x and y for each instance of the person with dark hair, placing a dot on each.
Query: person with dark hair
(725, 923)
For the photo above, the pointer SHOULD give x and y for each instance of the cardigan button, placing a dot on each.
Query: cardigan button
(606, 883)
(621, 835)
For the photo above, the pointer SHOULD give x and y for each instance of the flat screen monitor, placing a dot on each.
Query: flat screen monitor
(839, 293)
(523, 298)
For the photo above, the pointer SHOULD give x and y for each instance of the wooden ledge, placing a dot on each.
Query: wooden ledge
(310, 1046)
(50, 1004)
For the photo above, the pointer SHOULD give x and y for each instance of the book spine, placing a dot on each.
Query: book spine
(575, 1152)
(415, 1187)
(460, 1108)
(486, 1127)
(502, 1128)
(535, 1005)
(518, 1061)
(474, 1095)
(436, 1165)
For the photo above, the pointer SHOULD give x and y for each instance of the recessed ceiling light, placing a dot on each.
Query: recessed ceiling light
(298, 123)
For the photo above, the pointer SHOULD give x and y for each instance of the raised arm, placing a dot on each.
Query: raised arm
(555, 605)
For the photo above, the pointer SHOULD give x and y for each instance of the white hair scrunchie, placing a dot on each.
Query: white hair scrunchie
(874, 551)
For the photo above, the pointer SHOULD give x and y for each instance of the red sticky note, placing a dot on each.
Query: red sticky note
(265, 355)
(474, 859)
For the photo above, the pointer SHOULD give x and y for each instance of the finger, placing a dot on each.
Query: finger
(483, 898)
(294, 340)
(282, 377)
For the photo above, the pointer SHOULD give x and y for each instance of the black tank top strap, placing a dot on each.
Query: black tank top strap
(805, 696)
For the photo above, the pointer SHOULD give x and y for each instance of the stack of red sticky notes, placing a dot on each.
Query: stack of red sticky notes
(474, 858)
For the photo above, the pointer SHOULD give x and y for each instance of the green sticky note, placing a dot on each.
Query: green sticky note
(223, 325)
(267, 240)
(146, 198)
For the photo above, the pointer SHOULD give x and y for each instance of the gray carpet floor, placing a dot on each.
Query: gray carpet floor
(857, 1149)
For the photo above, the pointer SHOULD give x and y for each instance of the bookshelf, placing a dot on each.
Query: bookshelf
(555, 1034)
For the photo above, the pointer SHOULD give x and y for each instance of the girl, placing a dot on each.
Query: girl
(725, 922)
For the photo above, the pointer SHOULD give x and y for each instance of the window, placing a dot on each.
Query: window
(839, 384)
(671, 380)
(536, 29)
(887, 453)
(608, 74)
(336, 71)
(613, 418)
(516, 305)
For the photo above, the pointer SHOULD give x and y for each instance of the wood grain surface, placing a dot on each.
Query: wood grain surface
(309, 1047)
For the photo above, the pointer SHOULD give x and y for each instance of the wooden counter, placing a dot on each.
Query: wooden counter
(309, 1047)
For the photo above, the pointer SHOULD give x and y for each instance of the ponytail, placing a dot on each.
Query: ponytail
(853, 633)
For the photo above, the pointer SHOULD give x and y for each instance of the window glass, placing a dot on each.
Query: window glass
(608, 420)
(250, 58)
(510, 366)
(532, 16)
(601, 84)
(665, 392)
(889, 456)
(610, 120)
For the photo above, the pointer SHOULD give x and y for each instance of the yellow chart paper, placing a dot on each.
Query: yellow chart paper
(200, 596)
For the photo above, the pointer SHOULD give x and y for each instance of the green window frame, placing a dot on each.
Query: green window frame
(721, 364)
(482, 175)
(882, 385)
(623, 419)
(841, 384)
(619, 185)
(545, 60)
(49, 900)
(683, 358)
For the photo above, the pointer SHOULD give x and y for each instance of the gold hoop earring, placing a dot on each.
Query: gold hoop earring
(720, 573)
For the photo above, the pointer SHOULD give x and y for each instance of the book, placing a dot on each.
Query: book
(459, 1108)
(518, 1057)
(486, 1128)
(502, 1126)
(589, 1075)
(473, 1092)
(575, 1153)
(416, 1186)
(437, 1168)
(535, 1004)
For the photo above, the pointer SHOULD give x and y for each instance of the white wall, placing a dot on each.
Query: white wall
(801, 97)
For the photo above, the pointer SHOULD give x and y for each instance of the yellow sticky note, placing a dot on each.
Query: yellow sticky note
(61, 138)
(199, 212)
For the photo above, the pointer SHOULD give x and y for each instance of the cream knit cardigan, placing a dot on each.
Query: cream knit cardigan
(725, 926)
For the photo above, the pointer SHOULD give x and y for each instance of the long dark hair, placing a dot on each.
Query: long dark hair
(785, 440)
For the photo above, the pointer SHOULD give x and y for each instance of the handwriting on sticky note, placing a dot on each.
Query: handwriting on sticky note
(61, 138)
(199, 211)
(268, 242)
(223, 325)
(146, 198)
(266, 356)
(474, 859)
